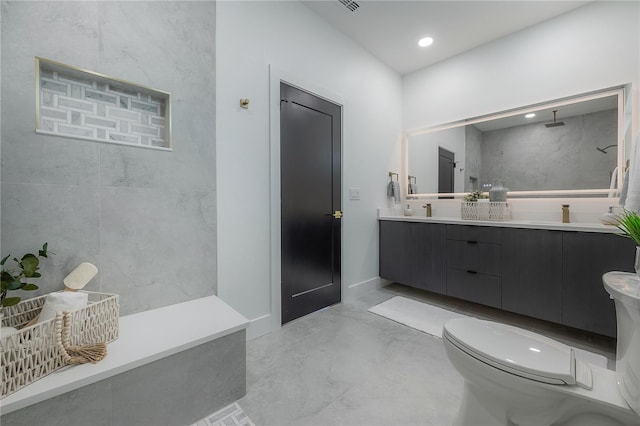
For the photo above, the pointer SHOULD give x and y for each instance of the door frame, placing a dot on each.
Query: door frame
(276, 76)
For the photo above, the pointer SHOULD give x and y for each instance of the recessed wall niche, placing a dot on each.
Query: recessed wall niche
(81, 104)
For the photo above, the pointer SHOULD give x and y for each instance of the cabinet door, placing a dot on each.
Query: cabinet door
(473, 233)
(587, 256)
(475, 287)
(413, 254)
(395, 262)
(532, 273)
(429, 262)
(474, 257)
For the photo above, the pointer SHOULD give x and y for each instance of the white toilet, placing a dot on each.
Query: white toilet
(516, 377)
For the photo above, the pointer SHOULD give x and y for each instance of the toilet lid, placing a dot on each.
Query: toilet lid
(513, 350)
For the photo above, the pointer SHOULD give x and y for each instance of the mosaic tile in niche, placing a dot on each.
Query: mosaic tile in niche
(50, 85)
(99, 96)
(144, 107)
(95, 107)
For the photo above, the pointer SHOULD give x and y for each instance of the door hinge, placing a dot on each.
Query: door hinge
(338, 214)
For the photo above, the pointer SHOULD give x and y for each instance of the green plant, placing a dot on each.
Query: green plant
(475, 196)
(629, 224)
(12, 278)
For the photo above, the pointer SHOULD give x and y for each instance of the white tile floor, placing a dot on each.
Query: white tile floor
(346, 366)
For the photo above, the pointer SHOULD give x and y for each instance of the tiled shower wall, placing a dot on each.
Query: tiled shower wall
(146, 218)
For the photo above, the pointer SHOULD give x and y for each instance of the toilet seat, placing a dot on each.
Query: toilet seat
(517, 351)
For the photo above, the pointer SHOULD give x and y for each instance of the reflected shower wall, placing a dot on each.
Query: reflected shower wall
(562, 157)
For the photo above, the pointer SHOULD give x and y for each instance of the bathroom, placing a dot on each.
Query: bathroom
(155, 215)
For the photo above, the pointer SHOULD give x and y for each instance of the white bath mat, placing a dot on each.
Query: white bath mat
(421, 316)
(430, 319)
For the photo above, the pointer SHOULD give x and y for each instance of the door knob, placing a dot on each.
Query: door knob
(337, 214)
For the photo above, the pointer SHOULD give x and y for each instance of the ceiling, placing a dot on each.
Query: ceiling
(390, 29)
(544, 114)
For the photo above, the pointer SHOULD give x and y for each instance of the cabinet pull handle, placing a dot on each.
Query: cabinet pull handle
(472, 242)
(470, 271)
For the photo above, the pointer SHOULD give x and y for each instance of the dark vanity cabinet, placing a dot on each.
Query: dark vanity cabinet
(532, 272)
(546, 274)
(412, 253)
(395, 251)
(586, 256)
(474, 263)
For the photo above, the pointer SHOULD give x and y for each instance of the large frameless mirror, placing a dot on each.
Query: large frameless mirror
(571, 147)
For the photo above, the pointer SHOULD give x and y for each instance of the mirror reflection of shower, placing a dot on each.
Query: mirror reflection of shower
(604, 150)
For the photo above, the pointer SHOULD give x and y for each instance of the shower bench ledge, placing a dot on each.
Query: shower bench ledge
(144, 337)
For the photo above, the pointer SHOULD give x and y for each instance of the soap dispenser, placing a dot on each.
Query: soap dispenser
(408, 211)
(609, 218)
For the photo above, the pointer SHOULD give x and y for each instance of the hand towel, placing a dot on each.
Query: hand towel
(413, 188)
(625, 188)
(393, 191)
(632, 200)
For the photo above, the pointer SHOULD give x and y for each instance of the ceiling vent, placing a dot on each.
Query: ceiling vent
(350, 4)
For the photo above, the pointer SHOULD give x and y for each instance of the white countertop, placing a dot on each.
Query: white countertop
(143, 338)
(528, 224)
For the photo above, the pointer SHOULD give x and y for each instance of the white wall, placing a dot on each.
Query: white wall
(593, 47)
(251, 36)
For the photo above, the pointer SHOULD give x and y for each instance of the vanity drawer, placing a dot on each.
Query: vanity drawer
(474, 256)
(479, 234)
(475, 287)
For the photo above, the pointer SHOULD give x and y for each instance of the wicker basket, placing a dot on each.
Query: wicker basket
(486, 210)
(32, 353)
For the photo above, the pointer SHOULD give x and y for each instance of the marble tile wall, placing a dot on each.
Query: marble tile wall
(146, 218)
(86, 107)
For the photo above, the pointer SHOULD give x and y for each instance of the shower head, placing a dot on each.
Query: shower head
(555, 123)
(604, 150)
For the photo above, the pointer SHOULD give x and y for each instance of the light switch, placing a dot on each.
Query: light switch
(354, 193)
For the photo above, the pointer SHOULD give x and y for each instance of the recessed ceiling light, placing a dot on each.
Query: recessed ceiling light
(424, 42)
(530, 115)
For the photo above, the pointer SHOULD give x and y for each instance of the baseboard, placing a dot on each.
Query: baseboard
(356, 290)
(259, 327)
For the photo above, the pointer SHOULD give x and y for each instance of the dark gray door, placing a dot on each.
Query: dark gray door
(310, 140)
(446, 168)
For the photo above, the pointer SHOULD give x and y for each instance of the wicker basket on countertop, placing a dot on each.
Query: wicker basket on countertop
(485, 210)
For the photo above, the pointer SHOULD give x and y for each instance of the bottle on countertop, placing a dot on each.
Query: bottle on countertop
(408, 211)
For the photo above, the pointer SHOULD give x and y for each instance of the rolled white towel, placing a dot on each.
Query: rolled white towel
(7, 331)
(62, 301)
